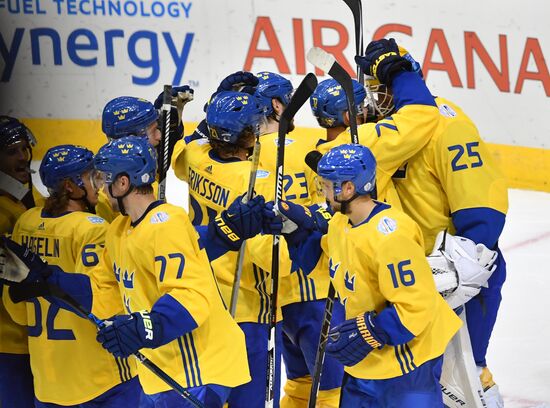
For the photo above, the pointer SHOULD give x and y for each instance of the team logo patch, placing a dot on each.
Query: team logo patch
(262, 174)
(287, 141)
(145, 178)
(387, 225)
(159, 217)
(446, 110)
(96, 220)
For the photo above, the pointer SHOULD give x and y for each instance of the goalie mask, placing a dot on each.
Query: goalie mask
(379, 101)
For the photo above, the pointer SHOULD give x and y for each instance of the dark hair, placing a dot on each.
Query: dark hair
(58, 201)
(246, 140)
(145, 189)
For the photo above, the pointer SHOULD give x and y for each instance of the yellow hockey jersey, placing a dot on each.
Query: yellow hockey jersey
(13, 337)
(393, 140)
(381, 262)
(68, 364)
(160, 255)
(301, 186)
(454, 171)
(213, 186)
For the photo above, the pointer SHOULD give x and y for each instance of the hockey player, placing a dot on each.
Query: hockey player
(329, 106)
(302, 298)
(63, 350)
(126, 116)
(16, 196)
(454, 184)
(130, 116)
(401, 135)
(153, 264)
(217, 170)
(398, 325)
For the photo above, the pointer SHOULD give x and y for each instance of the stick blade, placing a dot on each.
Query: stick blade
(320, 58)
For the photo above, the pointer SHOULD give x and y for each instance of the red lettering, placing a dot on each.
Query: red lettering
(437, 37)
(299, 53)
(532, 47)
(275, 52)
(384, 30)
(502, 77)
(337, 50)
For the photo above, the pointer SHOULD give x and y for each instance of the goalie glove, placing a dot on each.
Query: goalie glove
(460, 267)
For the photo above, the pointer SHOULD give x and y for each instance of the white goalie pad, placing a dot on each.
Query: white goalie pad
(460, 267)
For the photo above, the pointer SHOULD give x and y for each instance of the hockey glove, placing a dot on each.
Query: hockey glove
(175, 91)
(123, 335)
(298, 221)
(353, 340)
(240, 81)
(18, 264)
(460, 267)
(382, 60)
(240, 221)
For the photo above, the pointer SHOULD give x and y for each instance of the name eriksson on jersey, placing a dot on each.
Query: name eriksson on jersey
(208, 189)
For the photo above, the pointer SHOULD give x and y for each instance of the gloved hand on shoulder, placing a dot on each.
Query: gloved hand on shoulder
(383, 61)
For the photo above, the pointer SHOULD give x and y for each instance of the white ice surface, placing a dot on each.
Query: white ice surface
(517, 355)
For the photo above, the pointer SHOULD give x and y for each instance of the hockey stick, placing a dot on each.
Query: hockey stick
(357, 10)
(44, 289)
(165, 141)
(301, 96)
(240, 257)
(327, 63)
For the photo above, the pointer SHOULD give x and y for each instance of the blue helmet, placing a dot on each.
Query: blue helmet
(328, 102)
(130, 155)
(273, 86)
(229, 113)
(349, 162)
(12, 131)
(127, 115)
(65, 162)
